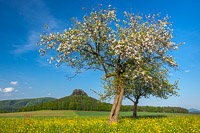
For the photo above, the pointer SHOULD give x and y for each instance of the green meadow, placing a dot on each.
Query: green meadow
(71, 113)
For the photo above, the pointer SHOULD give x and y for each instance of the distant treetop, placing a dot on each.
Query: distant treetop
(79, 92)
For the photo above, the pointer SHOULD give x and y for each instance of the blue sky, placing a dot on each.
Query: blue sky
(26, 74)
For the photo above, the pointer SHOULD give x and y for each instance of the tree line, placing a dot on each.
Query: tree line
(86, 103)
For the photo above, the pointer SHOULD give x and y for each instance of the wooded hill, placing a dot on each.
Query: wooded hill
(15, 105)
(79, 100)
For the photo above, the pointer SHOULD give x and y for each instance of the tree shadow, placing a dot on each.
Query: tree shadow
(145, 116)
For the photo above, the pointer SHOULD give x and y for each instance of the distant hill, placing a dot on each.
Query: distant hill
(14, 105)
(192, 110)
(79, 100)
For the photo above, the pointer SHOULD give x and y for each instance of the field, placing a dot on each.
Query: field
(83, 121)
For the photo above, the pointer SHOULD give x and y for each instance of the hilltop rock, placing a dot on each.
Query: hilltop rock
(79, 92)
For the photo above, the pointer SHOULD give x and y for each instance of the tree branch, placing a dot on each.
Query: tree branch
(110, 75)
(130, 98)
(102, 63)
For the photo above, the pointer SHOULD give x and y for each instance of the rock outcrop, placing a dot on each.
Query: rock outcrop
(79, 92)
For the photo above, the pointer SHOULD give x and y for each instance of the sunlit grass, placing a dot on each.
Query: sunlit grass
(71, 113)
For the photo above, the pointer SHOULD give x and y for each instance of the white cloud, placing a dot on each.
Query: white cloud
(0, 89)
(187, 71)
(49, 94)
(13, 82)
(8, 89)
(16, 90)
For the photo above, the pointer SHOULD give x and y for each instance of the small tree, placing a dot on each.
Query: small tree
(101, 41)
(158, 86)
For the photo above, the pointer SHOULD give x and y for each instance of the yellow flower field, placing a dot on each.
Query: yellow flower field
(171, 124)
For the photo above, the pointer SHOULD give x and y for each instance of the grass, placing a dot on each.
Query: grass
(40, 113)
(71, 113)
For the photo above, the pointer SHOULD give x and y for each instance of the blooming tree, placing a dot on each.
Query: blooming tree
(101, 41)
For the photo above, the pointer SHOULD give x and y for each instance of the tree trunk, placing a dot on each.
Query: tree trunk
(114, 114)
(135, 110)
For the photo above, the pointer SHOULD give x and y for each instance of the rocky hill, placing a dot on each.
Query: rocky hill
(78, 100)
